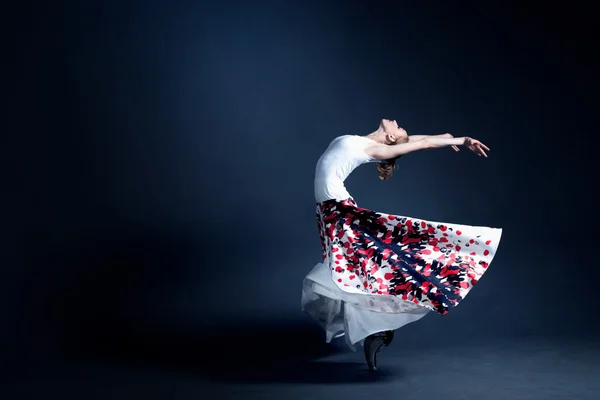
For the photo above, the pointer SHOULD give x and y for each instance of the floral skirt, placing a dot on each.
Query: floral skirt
(381, 271)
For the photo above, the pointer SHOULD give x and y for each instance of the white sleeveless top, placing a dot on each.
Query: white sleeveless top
(344, 155)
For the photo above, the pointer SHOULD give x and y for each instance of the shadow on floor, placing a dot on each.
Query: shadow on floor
(286, 353)
(92, 304)
(302, 372)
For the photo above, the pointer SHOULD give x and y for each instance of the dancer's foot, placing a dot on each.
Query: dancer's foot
(373, 345)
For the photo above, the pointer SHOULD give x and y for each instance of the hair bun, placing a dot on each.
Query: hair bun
(385, 169)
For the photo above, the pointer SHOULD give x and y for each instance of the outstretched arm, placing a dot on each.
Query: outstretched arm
(414, 138)
(472, 144)
(386, 152)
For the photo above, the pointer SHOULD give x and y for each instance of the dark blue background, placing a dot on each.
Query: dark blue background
(160, 157)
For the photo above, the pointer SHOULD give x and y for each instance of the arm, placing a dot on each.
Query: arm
(434, 142)
(414, 138)
(385, 152)
(421, 137)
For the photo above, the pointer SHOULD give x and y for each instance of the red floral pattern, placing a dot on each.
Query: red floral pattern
(427, 263)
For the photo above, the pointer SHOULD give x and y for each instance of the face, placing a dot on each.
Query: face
(393, 133)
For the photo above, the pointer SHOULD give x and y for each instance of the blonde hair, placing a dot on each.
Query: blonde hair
(385, 169)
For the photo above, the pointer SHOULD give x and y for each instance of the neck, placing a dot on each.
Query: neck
(377, 136)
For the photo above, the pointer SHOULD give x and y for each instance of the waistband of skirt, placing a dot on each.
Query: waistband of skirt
(349, 200)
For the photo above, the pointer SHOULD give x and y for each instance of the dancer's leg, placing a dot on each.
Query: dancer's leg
(373, 344)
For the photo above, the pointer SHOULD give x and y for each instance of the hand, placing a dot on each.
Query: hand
(476, 146)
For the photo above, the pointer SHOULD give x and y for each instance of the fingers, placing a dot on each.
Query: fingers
(476, 147)
(455, 148)
(480, 150)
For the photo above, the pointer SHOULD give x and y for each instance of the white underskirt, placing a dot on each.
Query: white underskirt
(354, 315)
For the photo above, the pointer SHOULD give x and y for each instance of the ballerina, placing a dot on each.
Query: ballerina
(382, 271)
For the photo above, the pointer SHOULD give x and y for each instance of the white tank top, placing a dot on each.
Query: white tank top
(344, 155)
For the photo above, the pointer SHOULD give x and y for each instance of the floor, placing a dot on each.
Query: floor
(528, 368)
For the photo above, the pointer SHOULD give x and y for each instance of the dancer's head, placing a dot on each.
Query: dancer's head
(389, 133)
